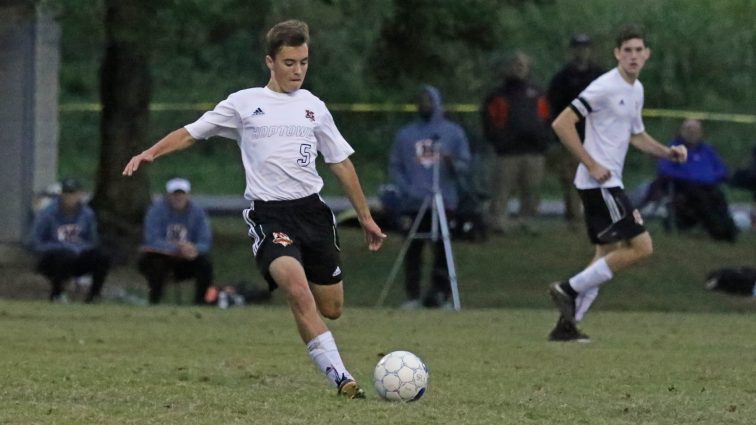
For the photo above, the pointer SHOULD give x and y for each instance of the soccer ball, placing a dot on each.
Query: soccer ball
(400, 376)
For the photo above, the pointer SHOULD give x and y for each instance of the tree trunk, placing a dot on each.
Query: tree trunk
(121, 201)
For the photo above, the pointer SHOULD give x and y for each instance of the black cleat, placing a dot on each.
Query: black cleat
(566, 331)
(563, 301)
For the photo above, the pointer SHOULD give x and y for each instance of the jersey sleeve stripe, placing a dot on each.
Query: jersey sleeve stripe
(576, 110)
(586, 104)
(581, 107)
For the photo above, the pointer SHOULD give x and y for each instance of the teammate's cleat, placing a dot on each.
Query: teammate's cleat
(350, 389)
(566, 331)
(563, 301)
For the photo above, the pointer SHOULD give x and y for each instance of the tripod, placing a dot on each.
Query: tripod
(439, 224)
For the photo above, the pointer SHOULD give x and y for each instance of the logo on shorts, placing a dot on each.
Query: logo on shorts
(337, 271)
(282, 239)
(309, 115)
(637, 217)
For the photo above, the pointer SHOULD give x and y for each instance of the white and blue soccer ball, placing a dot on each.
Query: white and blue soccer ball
(400, 376)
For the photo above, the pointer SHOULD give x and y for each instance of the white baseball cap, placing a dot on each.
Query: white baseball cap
(178, 184)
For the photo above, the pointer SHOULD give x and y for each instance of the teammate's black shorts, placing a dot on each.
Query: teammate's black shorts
(610, 216)
(301, 228)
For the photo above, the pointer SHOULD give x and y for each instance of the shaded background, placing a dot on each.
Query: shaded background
(703, 59)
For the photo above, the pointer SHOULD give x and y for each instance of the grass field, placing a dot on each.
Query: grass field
(665, 351)
(111, 364)
(513, 271)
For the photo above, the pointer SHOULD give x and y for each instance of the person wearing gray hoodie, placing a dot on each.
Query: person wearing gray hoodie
(417, 147)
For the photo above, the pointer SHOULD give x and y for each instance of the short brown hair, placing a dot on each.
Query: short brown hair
(287, 33)
(629, 32)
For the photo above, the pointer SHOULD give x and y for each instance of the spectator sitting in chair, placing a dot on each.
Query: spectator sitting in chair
(697, 196)
(64, 237)
(177, 239)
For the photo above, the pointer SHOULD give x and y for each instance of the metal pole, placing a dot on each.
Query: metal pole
(402, 252)
(446, 237)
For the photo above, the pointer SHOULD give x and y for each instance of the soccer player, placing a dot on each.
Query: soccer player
(280, 130)
(611, 106)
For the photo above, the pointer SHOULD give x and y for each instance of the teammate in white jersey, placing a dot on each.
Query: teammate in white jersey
(280, 130)
(611, 106)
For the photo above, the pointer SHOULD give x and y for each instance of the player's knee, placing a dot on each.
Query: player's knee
(644, 249)
(332, 311)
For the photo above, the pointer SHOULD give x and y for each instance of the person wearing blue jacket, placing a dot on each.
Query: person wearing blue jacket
(177, 239)
(417, 147)
(698, 197)
(64, 238)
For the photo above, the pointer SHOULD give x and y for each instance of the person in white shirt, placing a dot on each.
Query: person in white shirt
(280, 130)
(611, 106)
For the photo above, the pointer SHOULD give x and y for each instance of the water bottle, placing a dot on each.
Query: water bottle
(223, 300)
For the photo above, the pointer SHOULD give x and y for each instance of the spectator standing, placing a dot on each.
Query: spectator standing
(565, 86)
(177, 241)
(417, 148)
(695, 185)
(281, 129)
(64, 238)
(515, 115)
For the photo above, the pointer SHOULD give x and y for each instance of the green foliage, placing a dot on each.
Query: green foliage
(380, 51)
(434, 43)
(203, 50)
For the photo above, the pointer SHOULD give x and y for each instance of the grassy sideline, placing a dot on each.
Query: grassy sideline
(110, 364)
(664, 350)
(513, 271)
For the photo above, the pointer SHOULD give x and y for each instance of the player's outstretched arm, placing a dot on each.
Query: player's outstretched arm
(564, 127)
(174, 141)
(347, 176)
(644, 142)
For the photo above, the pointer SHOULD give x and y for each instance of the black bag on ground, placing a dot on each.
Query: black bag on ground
(734, 280)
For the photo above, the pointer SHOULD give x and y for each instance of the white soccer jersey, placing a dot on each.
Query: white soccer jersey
(612, 110)
(279, 135)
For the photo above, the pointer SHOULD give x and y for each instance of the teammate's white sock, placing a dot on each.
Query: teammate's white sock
(323, 352)
(592, 276)
(583, 302)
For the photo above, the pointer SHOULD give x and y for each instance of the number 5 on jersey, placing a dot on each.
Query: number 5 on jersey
(307, 155)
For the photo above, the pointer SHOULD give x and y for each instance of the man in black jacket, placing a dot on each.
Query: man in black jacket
(565, 86)
(515, 118)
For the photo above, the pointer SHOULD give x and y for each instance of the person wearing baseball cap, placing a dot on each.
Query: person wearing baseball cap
(178, 184)
(565, 85)
(177, 241)
(64, 238)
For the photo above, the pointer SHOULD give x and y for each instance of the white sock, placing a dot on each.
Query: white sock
(592, 276)
(323, 352)
(584, 301)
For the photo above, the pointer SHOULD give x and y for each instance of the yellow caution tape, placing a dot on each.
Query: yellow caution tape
(409, 107)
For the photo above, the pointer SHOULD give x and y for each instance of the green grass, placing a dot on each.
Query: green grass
(110, 364)
(513, 271)
(664, 350)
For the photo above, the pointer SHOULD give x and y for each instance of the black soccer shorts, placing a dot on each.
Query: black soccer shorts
(304, 229)
(610, 216)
